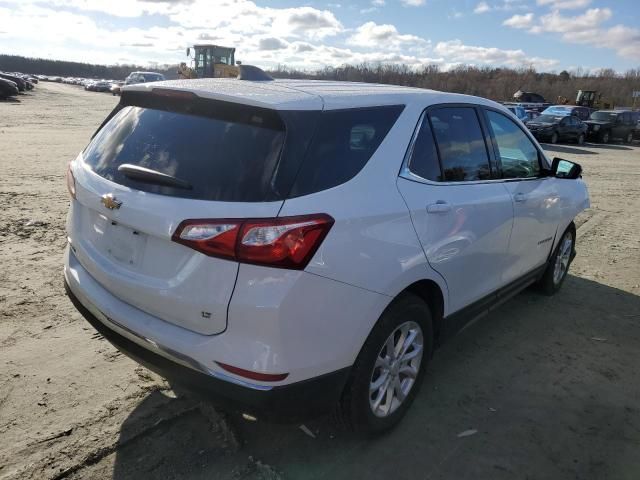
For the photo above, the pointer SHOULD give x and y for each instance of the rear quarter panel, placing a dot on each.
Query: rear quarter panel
(373, 244)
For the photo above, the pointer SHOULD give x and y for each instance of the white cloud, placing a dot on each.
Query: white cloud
(302, 37)
(412, 3)
(482, 7)
(564, 4)
(585, 28)
(519, 21)
(588, 21)
(271, 43)
(372, 35)
(456, 51)
(499, 5)
(378, 3)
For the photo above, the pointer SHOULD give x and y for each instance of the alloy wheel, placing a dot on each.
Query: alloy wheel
(562, 259)
(396, 369)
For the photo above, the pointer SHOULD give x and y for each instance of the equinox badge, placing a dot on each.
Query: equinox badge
(111, 202)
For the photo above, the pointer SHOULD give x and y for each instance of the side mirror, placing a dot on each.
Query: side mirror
(561, 168)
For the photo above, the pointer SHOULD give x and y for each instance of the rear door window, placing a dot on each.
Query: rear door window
(221, 158)
(424, 156)
(342, 145)
(460, 141)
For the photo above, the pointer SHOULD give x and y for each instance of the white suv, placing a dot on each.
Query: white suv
(294, 246)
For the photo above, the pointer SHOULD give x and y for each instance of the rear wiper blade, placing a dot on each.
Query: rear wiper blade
(147, 175)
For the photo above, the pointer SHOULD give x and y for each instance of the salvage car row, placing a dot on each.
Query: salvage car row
(12, 83)
(104, 85)
(564, 123)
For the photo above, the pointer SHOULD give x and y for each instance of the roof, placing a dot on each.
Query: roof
(307, 94)
(145, 73)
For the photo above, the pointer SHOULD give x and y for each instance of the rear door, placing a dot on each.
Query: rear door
(534, 196)
(121, 227)
(619, 128)
(565, 130)
(462, 216)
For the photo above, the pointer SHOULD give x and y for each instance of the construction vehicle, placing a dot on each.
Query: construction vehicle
(210, 61)
(588, 98)
(529, 101)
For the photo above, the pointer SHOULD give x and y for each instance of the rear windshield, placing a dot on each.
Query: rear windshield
(236, 153)
(606, 116)
(221, 159)
(558, 111)
(549, 118)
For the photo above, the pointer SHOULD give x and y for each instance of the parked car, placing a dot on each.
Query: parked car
(531, 115)
(605, 125)
(116, 88)
(635, 117)
(101, 86)
(8, 88)
(581, 112)
(519, 112)
(258, 243)
(558, 128)
(143, 77)
(21, 84)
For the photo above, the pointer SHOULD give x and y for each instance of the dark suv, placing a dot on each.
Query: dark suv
(605, 125)
(555, 128)
(635, 118)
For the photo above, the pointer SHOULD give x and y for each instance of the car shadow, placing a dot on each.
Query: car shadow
(10, 100)
(563, 149)
(541, 384)
(608, 146)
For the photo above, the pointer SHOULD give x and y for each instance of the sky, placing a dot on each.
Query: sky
(549, 35)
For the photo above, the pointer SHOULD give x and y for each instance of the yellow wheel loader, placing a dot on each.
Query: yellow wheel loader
(210, 61)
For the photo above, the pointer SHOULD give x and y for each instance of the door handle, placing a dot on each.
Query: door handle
(439, 207)
(520, 197)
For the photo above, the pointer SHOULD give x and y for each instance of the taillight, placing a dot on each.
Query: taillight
(284, 242)
(71, 182)
(263, 377)
(216, 238)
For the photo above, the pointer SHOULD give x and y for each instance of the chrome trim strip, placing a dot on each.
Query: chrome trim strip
(407, 174)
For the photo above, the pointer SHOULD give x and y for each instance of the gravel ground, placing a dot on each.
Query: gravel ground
(550, 385)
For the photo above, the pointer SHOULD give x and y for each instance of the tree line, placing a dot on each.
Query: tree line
(490, 82)
(62, 68)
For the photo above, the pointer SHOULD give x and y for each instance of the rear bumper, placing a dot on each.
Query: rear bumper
(591, 134)
(291, 402)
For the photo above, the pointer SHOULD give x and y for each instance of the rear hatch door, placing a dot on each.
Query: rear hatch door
(229, 162)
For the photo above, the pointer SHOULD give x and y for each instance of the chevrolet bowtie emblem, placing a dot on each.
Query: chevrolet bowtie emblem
(111, 202)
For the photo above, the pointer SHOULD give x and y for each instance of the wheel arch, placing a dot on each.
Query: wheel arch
(433, 296)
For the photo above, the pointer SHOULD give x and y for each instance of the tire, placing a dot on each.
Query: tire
(554, 138)
(581, 139)
(356, 409)
(559, 263)
(604, 137)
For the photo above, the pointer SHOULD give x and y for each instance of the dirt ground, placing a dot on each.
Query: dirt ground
(551, 385)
